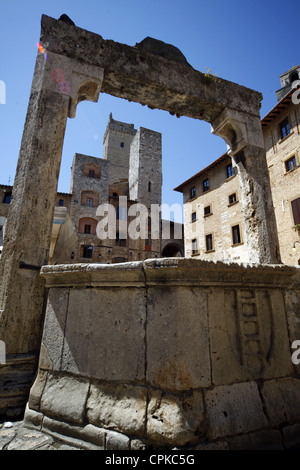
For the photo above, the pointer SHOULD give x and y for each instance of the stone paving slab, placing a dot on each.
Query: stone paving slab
(14, 436)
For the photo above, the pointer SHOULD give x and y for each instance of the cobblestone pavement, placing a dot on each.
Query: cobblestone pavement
(14, 436)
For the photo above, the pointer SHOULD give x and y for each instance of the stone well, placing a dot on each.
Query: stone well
(169, 353)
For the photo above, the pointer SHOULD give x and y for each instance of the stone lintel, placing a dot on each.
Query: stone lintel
(141, 76)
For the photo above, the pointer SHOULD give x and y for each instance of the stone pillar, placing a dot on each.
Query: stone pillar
(243, 135)
(59, 83)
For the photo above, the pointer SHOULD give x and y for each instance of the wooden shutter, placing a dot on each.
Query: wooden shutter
(296, 210)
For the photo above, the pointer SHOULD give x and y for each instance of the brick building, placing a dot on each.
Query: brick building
(213, 214)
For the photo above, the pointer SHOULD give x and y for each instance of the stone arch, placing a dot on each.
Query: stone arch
(89, 167)
(85, 222)
(89, 198)
(172, 250)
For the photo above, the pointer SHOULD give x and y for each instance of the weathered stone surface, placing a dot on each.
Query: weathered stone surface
(282, 400)
(250, 339)
(173, 86)
(159, 327)
(37, 389)
(53, 336)
(137, 444)
(118, 407)
(115, 349)
(173, 420)
(8, 434)
(168, 51)
(292, 303)
(269, 439)
(116, 441)
(28, 439)
(65, 398)
(33, 419)
(213, 446)
(234, 409)
(291, 436)
(177, 338)
(86, 437)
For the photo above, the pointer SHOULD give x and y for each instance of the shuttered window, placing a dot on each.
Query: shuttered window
(296, 210)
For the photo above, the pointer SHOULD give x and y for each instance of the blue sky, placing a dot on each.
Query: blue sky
(250, 43)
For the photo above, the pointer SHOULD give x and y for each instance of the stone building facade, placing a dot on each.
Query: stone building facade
(129, 173)
(213, 215)
(132, 160)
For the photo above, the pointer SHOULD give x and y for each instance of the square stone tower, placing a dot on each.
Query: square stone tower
(145, 168)
(116, 148)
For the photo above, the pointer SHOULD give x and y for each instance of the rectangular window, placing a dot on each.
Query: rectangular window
(206, 185)
(194, 216)
(290, 163)
(232, 198)
(7, 197)
(89, 202)
(121, 144)
(120, 239)
(284, 128)
(236, 236)
(121, 212)
(148, 245)
(61, 202)
(194, 246)
(296, 210)
(87, 228)
(207, 210)
(209, 242)
(91, 173)
(86, 251)
(193, 192)
(230, 170)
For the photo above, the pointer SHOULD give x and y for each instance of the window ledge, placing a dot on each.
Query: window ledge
(210, 251)
(233, 203)
(237, 244)
(196, 253)
(230, 178)
(286, 137)
(208, 215)
(291, 170)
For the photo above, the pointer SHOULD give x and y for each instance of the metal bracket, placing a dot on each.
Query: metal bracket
(23, 265)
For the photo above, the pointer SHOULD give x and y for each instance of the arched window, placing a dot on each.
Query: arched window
(91, 170)
(87, 225)
(90, 198)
